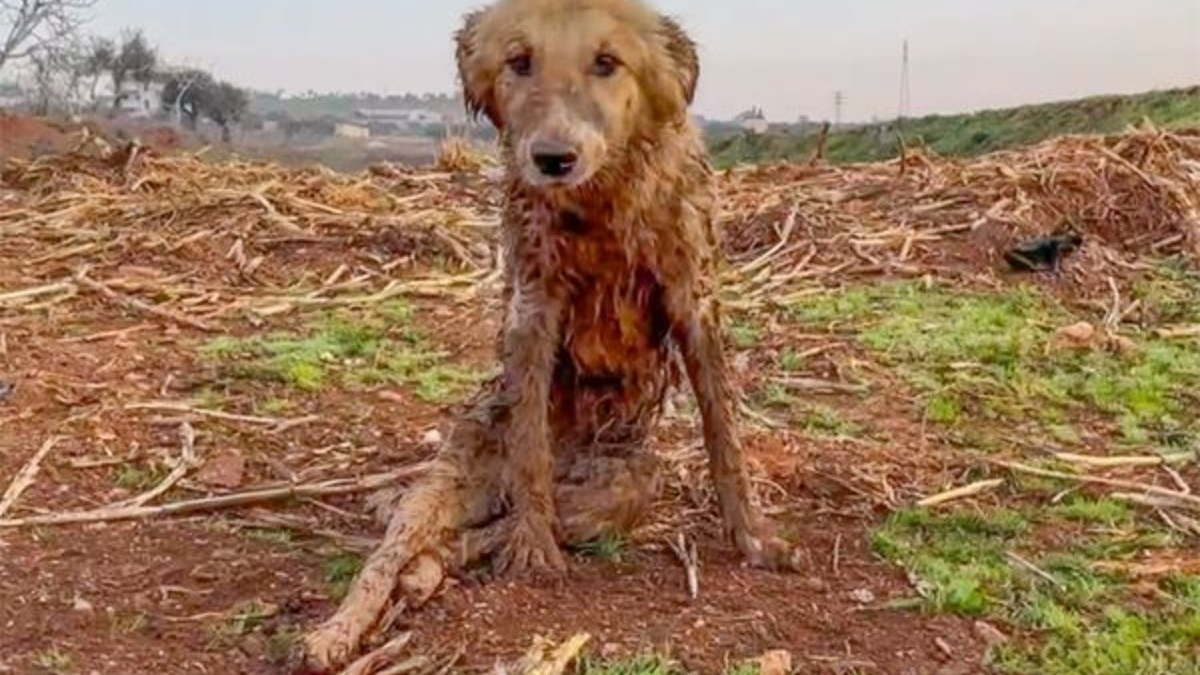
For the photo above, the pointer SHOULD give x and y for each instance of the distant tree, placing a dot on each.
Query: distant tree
(56, 74)
(97, 62)
(184, 95)
(225, 105)
(136, 60)
(33, 28)
(195, 93)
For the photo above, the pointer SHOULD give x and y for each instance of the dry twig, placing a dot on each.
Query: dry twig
(26, 476)
(968, 490)
(208, 504)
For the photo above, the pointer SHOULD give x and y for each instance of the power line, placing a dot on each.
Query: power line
(838, 99)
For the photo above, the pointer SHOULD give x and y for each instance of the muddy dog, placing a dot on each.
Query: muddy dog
(610, 282)
(608, 233)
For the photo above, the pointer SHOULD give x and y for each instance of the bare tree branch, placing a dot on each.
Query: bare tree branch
(27, 26)
(59, 75)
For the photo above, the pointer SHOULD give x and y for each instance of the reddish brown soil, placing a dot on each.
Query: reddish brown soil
(160, 595)
(154, 596)
(26, 137)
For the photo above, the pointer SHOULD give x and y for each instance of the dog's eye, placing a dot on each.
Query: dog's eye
(605, 65)
(521, 65)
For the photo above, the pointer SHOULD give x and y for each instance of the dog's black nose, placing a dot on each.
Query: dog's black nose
(552, 160)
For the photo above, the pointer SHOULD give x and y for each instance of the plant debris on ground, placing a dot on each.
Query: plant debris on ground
(209, 368)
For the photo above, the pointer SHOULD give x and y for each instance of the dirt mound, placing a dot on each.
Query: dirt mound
(162, 138)
(22, 136)
(1127, 195)
(28, 137)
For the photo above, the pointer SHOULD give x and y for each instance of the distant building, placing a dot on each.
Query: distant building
(138, 100)
(400, 117)
(757, 125)
(753, 120)
(351, 130)
(11, 96)
(12, 101)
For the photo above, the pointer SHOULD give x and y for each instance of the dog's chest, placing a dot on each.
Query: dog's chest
(616, 322)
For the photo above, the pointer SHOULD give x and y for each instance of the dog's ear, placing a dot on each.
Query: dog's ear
(682, 51)
(477, 80)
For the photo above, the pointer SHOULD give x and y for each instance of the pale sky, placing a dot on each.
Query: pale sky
(787, 56)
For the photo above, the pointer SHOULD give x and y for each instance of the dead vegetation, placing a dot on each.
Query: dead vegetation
(106, 242)
(786, 226)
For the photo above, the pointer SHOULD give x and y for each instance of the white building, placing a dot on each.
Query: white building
(401, 116)
(139, 100)
(351, 130)
(753, 120)
(756, 125)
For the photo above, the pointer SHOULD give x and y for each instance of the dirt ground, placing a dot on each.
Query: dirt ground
(171, 332)
(157, 596)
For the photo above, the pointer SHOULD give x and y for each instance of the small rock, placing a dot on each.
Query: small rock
(225, 470)
(1123, 345)
(1076, 335)
(432, 437)
(391, 396)
(253, 645)
(775, 662)
(81, 605)
(862, 595)
(815, 584)
(989, 634)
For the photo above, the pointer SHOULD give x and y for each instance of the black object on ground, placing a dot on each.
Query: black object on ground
(1042, 253)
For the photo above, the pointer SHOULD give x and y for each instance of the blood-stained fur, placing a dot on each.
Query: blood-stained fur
(610, 253)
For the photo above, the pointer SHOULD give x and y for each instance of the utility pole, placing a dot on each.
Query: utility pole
(838, 100)
(905, 101)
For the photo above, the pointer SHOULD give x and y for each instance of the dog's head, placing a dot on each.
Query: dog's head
(571, 84)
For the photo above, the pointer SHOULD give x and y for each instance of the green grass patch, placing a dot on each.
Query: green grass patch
(652, 664)
(646, 664)
(964, 135)
(1080, 620)
(1169, 295)
(610, 548)
(275, 537)
(282, 644)
(822, 420)
(345, 349)
(790, 361)
(1107, 512)
(243, 620)
(53, 661)
(340, 571)
(137, 478)
(960, 559)
(977, 357)
(744, 336)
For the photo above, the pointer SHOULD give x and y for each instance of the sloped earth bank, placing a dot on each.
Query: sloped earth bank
(173, 332)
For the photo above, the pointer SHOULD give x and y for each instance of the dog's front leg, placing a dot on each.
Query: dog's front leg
(696, 329)
(529, 350)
